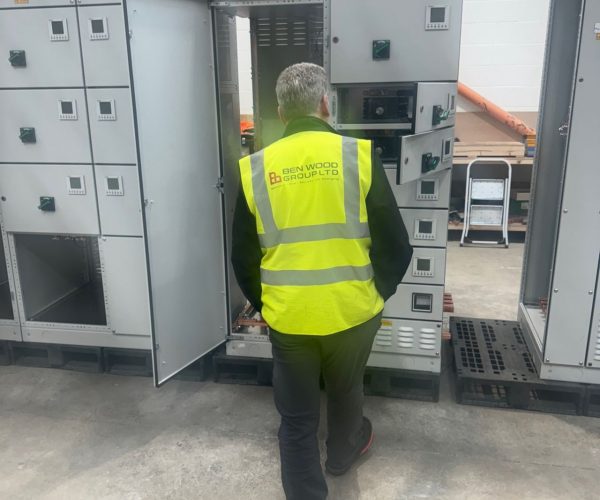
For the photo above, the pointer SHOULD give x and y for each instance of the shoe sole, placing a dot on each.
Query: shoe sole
(341, 472)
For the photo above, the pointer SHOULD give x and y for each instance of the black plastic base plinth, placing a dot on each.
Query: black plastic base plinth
(242, 370)
(77, 358)
(5, 358)
(131, 362)
(495, 368)
(592, 401)
(402, 384)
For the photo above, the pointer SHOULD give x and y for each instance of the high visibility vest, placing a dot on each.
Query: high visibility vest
(307, 192)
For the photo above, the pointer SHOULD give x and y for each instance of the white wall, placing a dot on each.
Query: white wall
(244, 65)
(502, 51)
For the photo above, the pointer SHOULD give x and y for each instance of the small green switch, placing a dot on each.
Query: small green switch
(381, 50)
(47, 204)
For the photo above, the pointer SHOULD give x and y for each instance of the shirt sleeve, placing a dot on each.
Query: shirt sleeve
(391, 252)
(246, 254)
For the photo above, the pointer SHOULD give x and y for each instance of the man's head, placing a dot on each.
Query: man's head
(302, 91)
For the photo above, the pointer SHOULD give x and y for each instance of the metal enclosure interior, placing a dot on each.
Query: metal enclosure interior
(559, 293)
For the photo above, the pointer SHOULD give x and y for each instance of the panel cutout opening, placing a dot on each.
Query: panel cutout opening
(98, 28)
(61, 279)
(58, 31)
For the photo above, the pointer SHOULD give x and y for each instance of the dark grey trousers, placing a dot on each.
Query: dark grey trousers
(298, 362)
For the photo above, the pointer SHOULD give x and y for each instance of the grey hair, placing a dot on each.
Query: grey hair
(300, 88)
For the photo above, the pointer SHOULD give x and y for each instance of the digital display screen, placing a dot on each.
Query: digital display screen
(75, 182)
(438, 14)
(113, 183)
(427, 187)
(58, 28)
(423, 265)
(425, 226)
(105, 108)
(447, 146)
(98, 25)
(66, 107)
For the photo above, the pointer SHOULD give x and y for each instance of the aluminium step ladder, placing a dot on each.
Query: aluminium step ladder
(487, 202)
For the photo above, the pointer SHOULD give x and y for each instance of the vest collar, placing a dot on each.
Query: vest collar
(307, 124)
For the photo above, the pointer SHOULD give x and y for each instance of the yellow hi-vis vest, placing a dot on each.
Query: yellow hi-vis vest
(307, 192)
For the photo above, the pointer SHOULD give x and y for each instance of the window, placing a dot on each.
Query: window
(67, 109)
(98, 28)
(57, 29)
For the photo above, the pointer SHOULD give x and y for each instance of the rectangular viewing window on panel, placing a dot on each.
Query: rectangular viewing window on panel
(106, 110)
(422, 302)
(67, 109)
(437, 17)
(114, 186)
(76, 184)
(58, 30)
(424, 229)
(423, 267)
(98, 28)
(427, 189)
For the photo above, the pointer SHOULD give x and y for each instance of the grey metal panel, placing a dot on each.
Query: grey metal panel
(436, 257)
(439, 219)
(415, 55)
(404, 362)
(105, 60)
(556, 98)
(404, 336)
(120, 214)
(400, 305)
(97, 2)
(23, 185)
(409, 195)
(83, 337)
(593, 359)
(125, 282)
(570, 374)
(113, 141)
(249, 348)
(180, 165)
(49, 63)
(10, 328)
(57, 140)
(430, 95)
(576, 259)
(413, 147)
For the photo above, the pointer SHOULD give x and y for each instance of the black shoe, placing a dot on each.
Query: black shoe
(367, 436)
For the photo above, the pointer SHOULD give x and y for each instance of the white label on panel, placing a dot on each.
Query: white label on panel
(424, 229)
(114, 186)
(76, 184)
(57, 29)
(98, 28)
(67, 109)
(106, 110)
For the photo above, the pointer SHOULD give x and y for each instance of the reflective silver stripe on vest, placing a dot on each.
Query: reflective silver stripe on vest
(261, 196)
(351, 229)
(316, 277)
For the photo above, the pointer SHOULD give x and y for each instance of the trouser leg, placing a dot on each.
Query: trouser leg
(296, 371)
(345, 356)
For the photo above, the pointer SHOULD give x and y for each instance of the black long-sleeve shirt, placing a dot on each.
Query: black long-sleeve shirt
(390, 252)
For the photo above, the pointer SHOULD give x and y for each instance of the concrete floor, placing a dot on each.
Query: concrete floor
(66, 435)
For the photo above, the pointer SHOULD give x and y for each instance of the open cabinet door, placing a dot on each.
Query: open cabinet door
(175, 99)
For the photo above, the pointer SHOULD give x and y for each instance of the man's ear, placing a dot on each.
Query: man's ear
(324, 107)
(281, 115)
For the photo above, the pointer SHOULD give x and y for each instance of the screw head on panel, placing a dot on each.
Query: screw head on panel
(591, 292)
(547, 360)
(566, 210)
(556, 290)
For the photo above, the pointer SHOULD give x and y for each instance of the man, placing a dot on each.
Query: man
(318, 245)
